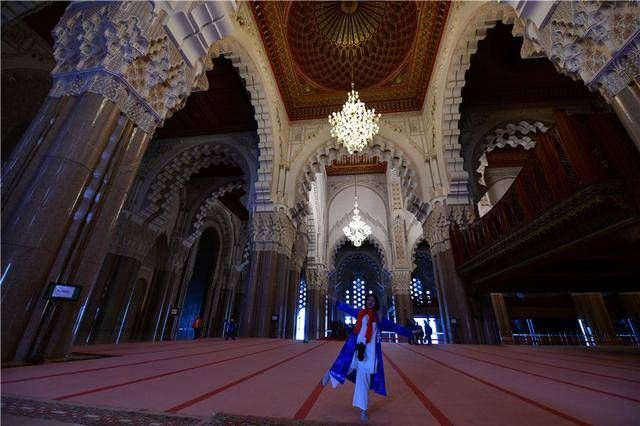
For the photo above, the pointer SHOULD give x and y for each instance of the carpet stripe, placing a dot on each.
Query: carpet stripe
(551, 365)
(542, 376)
(89, 370)
(169, 373)
(223, 388)
(197, 344)
(501, 389)
(308, 404)
(574, 358)
(429, 405)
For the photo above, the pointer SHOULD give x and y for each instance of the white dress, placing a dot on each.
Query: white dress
(366, 367)
(369, 363)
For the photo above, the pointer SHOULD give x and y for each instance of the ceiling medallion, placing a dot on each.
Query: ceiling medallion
(354, 126)
(357, 231)
(349, 23)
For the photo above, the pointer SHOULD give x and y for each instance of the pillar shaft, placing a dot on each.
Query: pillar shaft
(59, 217)
(264, 296)
(454, 307)
(502, 317)
(592, 308)
(626, 104)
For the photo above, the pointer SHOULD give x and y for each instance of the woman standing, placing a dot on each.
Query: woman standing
(360, 359)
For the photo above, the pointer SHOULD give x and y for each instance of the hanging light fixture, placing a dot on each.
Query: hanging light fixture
(354, 126)
(357, 231)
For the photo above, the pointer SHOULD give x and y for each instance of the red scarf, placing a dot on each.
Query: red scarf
(372, 318)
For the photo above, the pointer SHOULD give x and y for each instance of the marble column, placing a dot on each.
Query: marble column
(114, 299)
(592, 308)
(631, 303)
(57, 225)
(502, 318)
(66, 182)
(454, 306)
(292, 302)
(401, 286)
(265, 293)
(626, 104)
(298, 256)
(316, 304)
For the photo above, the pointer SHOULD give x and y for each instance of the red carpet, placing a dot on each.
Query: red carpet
(452, 384)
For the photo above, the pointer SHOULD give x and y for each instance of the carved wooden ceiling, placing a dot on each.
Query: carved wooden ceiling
(356, 164)
(315, 48)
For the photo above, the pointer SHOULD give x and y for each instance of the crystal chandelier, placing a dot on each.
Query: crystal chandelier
(355, 125)
(357, 231)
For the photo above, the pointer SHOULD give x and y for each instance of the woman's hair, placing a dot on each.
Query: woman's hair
(377, 306)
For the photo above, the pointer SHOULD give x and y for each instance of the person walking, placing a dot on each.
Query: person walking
(360, 359)
(197, 327)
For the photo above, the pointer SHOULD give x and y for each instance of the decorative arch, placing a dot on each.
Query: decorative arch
(379, 147)
(344, 241)
(159, 191)
(206, 207)
(513, 135)
(475, 29)
(232, 49)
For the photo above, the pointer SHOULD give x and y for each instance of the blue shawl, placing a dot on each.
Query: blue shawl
(340, 368)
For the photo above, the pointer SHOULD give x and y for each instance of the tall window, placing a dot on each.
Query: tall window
(302, 304)
(356, 296)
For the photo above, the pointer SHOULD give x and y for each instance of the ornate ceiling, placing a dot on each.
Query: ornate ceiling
(317, 49)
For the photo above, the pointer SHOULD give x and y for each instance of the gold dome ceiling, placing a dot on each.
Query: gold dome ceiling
(329, 41)
(317, 48)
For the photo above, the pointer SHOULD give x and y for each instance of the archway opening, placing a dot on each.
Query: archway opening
(203, 273)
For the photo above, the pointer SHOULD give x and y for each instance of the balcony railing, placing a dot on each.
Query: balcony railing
(589, 155)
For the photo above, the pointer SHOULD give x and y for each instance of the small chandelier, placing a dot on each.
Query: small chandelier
(354, 126)
(357, 231)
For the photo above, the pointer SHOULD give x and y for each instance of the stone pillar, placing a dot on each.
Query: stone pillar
(626, 104)
(298, 256)
(452, 296)
(631, 303)
(265, 300)
(502, 318)
(316, 293)
(401, 287)
(67, 182)
(591, 307)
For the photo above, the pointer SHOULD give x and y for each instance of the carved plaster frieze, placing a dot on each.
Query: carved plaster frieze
(299, 252)
(317, 278)
(512, 135)
(132, 55)
(401, 281)
(131, 239)
(162, 192)
(206, 208)
(436, 227)
(593, 42)
(177, 255)
(385, 151)
(273, 231)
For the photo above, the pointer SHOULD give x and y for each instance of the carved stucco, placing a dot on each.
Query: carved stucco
(273, 231)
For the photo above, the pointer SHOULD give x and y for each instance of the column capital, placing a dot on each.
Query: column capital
(596, 42)
(317, 277)
(299, 252)
(436, 227)
(401, 281)
(134, 55)
(273, 231)
(131, 239)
